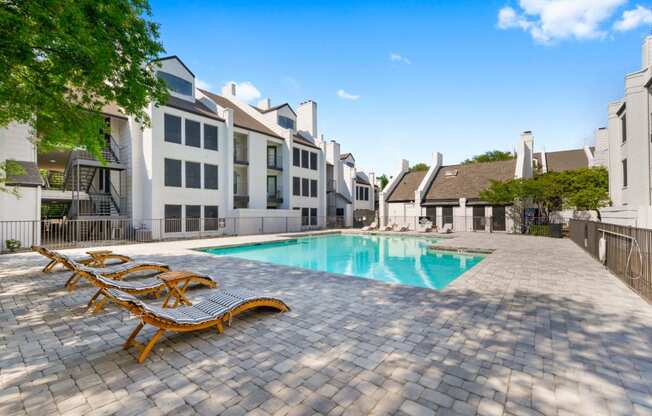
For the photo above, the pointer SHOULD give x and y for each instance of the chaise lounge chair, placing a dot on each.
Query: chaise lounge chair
(176, 284)
(370, 227)
(447, 229)
(404, 228)
(213, 312)
(116, 272)
(96, 258)
(390, 227)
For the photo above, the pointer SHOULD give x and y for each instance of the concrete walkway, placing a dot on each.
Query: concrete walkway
(538, 327)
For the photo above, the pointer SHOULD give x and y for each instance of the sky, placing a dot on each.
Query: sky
(401, 80)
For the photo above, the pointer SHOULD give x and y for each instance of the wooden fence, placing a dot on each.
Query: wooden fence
(627, 251)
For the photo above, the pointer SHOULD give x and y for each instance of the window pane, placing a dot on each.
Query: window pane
(210, 176)
(172, 172)
(305, 215)
(172, 128)
(366, 194)
(172, 218)
(296, 186)
(305, 187)
(313, 161)
(211, 217)
(193, 214)
(313, 216)
(313, 188)
(296, 157)
(193, 133)
(286, 122)
(624, 172)
(210, 137)
(193, 175)
(175, 83)
(304, 158)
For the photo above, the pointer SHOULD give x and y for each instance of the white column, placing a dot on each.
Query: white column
(228, 166)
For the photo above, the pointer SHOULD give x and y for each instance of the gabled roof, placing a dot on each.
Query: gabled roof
(30, 175)
(360, 178)
(467, 181)
(409, 183)
(299, 139)
(196, 108)
(565, 160)
(165, 58)
(240, 117)
(346, 155)
(276, 107)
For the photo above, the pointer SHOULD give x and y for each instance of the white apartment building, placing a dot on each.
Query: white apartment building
(350, 193)
(629, 151)
(206, 163)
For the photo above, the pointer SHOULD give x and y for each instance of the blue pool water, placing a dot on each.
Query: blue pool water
(392, 259)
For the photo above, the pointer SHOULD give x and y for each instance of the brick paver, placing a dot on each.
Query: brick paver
(538, 327)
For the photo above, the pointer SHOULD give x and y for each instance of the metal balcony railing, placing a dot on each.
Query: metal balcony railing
(275, 197)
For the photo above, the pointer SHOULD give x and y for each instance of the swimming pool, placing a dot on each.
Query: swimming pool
(393, 259)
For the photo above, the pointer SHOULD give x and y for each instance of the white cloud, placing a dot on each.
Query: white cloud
(634, 18)
(347, 96)
(395, 57)
(246, 91)
(204, 85)
(551, 20)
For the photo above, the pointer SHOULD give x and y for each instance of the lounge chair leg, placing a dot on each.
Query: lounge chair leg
(70, 284)
(50, 266)
(133, 335)
(148, 348)
(220, 327)
(99, 305)
(90, 302)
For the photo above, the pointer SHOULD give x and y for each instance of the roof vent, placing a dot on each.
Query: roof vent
(452, 172)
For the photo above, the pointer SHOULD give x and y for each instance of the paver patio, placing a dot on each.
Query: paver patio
(538, 327)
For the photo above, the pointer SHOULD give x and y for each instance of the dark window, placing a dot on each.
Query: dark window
(210, 176)
(305, 187)
(305, 216)
(313, 188)
(313, 161)
(498, 218)
(313, 216)
(193, 133)
(172, 172)
(478, 218)
(305, 156)
(447, 215)
(175, 83)
(296, 157)
(193, 175)
(431, 213)
(366, 194)
(173, 218)
(624, 172)
(193, 217)
(296, 186)
(172, 128)
(211, 217)
(339, 212)
(623, 127)
(210, 137)
(286, 122)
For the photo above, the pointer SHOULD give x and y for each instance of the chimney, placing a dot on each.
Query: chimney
(229, 90)
(307, 118)
(524, 156)
(404, 165)
(265, 104)
(646, 52)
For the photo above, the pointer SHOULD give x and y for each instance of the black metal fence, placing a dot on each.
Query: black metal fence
(623, 250)
(62, 233)
(538, 226)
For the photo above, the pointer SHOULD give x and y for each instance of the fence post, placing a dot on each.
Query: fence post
(286, 224)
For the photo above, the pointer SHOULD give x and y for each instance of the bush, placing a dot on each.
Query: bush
(12, 245)
(540, 230)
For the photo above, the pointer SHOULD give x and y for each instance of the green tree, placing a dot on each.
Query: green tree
(587, 189)
(384, 180)
(490, 156)
(62, 61)
(419, 167)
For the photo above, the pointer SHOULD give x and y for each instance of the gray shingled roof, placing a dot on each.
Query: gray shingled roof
(30, 175)
(240, 117)
(196, 108)
(467, 181)
(566, 160)
(409, 183)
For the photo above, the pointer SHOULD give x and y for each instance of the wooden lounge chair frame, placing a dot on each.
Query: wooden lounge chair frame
(148, 316)
(118, 274)
(96, 258)
(176, 286)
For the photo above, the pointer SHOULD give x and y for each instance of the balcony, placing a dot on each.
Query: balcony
(275, 198)
(274, 162)
(240, 201)
(240, 149)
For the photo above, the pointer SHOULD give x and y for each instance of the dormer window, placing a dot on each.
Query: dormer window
(176, 84)
(286, 122)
